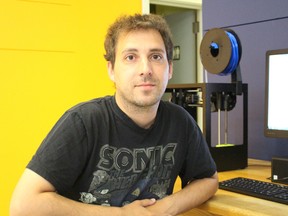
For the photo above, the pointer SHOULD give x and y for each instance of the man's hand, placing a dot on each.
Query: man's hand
(139, 208)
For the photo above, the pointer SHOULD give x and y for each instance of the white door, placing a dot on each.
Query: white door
(184, 39)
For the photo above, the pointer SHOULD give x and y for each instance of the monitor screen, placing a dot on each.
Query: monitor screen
(276, 94)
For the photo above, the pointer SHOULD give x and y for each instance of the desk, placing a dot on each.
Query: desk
(234, 204)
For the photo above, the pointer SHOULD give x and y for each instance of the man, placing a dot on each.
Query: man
(121, 154)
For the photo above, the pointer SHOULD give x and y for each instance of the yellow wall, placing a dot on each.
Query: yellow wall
(51, 57)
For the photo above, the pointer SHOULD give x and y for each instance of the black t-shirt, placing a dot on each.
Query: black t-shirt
(96, 154)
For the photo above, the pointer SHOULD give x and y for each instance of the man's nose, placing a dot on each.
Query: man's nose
(145, 67)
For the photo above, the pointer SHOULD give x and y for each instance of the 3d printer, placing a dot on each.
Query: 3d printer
(220, 52)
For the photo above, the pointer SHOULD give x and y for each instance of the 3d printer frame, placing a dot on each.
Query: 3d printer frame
(226, 158)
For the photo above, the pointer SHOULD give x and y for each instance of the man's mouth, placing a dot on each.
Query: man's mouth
(145, 86)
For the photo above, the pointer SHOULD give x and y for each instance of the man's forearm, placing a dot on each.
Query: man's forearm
(193, 195)
(52, 204)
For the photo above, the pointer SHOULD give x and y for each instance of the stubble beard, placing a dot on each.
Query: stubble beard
(144, 102)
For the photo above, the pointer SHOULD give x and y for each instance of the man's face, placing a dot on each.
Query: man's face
(141, 70)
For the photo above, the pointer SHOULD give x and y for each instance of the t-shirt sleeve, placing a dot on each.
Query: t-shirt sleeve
(198, 160)
(61, 156)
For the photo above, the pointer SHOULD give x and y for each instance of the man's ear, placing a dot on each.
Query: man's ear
(170, 70)
(110, 71)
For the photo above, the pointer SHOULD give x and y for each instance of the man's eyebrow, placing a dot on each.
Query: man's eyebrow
(130, 50)
(151, 50)
(157, 50)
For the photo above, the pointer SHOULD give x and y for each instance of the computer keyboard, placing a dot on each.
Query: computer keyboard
(260, 189)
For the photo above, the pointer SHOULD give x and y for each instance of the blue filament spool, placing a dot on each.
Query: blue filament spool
(220, 51)
(234, 59)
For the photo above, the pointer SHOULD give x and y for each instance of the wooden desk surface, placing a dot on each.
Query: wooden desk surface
(229, 203)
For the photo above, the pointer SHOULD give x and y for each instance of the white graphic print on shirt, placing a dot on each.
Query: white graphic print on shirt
(123, 175)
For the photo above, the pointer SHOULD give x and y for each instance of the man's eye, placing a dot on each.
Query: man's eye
(156, 57)
(130, 57)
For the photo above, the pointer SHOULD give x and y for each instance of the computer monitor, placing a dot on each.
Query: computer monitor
(276, 94)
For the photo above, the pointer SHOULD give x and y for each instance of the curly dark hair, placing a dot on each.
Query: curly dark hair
(128, 23)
